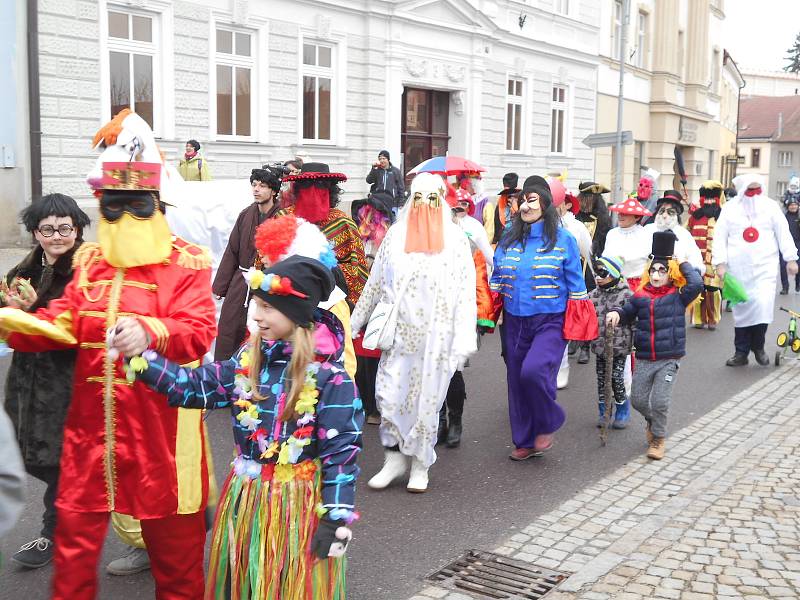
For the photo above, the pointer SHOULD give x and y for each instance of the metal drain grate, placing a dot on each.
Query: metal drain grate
(496, 576)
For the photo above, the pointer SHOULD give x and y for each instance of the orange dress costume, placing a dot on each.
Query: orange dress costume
(125, 449)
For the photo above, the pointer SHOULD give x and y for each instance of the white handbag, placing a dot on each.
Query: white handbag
(379, 332)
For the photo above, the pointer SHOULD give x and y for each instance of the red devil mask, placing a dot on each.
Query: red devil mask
(645, 189)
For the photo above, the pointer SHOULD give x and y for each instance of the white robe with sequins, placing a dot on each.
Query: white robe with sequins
(435, 333)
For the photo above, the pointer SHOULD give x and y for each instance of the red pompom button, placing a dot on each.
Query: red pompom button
(750, 234)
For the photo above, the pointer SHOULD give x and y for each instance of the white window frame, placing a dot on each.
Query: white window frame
(161, 12)
(781, 187)
(235, 61)
(617, 21)
(785, 158)
(642, 39)
(516, 101)
(561, 7)
(338, 75)
(565, 118)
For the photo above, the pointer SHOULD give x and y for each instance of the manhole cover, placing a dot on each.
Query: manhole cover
(490, 575)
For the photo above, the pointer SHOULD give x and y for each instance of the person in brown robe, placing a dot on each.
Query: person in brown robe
(239, 256)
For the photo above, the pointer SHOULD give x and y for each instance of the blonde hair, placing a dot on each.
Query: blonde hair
(302, 344)
(673, 271)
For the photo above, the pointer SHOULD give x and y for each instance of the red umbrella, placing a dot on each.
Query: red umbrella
(447, 165)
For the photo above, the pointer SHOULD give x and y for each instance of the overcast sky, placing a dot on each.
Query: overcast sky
(757, 34)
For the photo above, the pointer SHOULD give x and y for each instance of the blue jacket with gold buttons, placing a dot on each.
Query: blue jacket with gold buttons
(534, 280)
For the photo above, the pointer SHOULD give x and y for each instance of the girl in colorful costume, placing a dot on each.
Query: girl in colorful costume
(282, 523)
(538, 277)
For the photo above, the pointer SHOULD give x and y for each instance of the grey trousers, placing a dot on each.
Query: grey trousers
(651, 391)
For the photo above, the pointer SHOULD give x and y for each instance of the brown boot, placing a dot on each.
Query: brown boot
(657, 448)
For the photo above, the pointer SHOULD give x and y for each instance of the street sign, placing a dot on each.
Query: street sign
(598, 140)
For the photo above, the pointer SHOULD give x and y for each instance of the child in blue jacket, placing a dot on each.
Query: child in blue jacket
(281, 527)
(658, 309)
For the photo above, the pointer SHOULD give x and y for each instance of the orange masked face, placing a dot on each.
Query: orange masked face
(425, 232)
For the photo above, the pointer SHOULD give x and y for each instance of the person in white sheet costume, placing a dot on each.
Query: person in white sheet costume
(750, 232)
(425, 267)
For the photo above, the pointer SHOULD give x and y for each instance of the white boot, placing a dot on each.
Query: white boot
(394, 466)
(562, 380)
(418, 481)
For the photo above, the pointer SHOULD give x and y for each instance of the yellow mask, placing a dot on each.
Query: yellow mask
(133, 242)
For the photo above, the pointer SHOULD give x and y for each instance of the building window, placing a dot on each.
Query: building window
(514, 114)
(318, 82)
(638, 159)
(755, 158)
(234, 67)
(711, 164)
(641, 40)
(561, 6)
(782, 186)
(132, 59)
(784, 159)
(558, 119)
(616, 37)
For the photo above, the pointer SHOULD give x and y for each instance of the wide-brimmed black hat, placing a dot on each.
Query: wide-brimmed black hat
(590, 187)
(312, 170)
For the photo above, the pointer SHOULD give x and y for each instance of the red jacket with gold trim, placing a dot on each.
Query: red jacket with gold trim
(125, 448)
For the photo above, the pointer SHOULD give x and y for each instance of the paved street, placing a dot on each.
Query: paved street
(480, 499)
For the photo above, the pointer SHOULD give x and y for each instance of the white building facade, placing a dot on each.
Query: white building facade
(507, 83)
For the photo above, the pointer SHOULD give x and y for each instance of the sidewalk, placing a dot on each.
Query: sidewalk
(10, 257)
(719, 517)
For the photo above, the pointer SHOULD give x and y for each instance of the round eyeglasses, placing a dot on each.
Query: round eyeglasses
(49, 231)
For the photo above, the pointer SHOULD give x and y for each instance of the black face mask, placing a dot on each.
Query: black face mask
(114, 204)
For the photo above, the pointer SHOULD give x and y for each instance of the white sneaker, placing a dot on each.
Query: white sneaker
(562, 380)
(135, 561)
(418, 481)
(394, 466)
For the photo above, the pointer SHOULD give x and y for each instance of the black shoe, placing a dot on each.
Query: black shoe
(572, 348)
(728, 307)
(761, 357)
(583, 356)
(738, 360)
(784, 291)
(36, 553)
(797, 287)
(454, 431)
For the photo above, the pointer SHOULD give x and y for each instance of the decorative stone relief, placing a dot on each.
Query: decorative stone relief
(458, 101)
(241, 11)
(323, 27)
(454, 73)
(416, 68)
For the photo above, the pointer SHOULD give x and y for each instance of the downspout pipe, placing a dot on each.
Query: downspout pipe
(34, 109)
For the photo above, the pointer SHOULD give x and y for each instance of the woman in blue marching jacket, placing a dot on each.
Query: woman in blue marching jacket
(538, 278)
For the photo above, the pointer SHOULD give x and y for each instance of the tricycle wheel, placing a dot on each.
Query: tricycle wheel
(783, 339)
(778, 358)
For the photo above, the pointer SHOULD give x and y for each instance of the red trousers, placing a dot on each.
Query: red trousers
(175, 545)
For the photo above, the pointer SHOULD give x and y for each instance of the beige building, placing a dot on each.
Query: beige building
(678, 98)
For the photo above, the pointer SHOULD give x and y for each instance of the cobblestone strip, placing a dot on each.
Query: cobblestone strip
(719, 517)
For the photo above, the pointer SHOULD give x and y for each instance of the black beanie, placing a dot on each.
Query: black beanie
(298, 275)
(539, 185)
(384, 153)
(510, 180)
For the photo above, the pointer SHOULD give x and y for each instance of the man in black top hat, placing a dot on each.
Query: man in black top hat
(385, 177)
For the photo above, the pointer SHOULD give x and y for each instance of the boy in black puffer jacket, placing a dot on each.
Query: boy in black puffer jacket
(658, 308)
(611, 292)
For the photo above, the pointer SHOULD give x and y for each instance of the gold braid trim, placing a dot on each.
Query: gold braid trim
(192, 256)
(88, 254)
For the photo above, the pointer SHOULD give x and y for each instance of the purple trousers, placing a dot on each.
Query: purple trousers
(533, 348)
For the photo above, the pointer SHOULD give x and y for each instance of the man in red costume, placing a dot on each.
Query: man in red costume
(703, 219)
(125, 449)
(316, 191)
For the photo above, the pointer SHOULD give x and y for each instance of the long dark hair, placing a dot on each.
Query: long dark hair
(520, 231)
